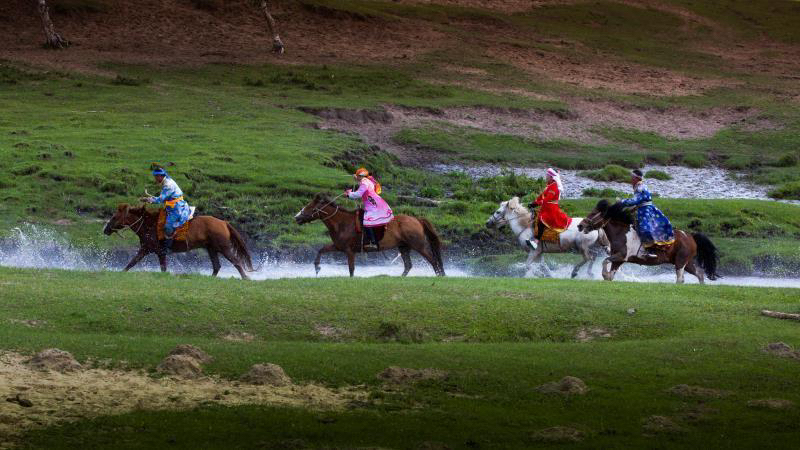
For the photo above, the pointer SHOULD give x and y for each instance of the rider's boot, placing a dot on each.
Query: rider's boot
(646, 253)
(371, 243)
(166, 246)
(532, 243)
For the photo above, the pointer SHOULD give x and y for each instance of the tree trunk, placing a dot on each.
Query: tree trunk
(53, 39)
(277, 44)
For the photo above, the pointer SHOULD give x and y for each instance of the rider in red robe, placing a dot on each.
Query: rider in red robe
(550, 214)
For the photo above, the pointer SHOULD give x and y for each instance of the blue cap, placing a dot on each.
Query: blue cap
(159, 171)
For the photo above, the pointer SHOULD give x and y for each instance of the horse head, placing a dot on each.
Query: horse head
(596, 218)
(498, 218)
(124, 217)
(314, 209)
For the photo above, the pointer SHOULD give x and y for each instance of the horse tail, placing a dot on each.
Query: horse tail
(707, 255)
(435, 243)
(240, 248)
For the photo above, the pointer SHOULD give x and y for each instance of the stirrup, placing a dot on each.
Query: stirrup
(370, 247)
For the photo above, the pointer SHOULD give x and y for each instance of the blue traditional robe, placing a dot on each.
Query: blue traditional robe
(178, 210)
(651, 224)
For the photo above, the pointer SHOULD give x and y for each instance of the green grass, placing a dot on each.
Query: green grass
(610, 172)
(658, 175)
(516, 335)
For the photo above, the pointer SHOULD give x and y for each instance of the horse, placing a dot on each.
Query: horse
(215, 235)
(405, 233)
(625, 244)
(519, 219)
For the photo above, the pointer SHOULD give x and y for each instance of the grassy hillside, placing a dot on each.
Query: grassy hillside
(498, 339)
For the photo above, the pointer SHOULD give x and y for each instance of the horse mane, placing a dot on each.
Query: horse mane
(523, 213)
(324, 198)
(140, 207)
(616, 212)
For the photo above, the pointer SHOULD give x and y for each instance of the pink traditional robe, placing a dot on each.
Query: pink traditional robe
(376, 210)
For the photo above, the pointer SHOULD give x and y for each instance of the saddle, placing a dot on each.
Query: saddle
(379, 230)
(181, 233)
(551, 235)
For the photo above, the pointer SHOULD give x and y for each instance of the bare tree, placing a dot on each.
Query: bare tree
(277, 44)
(53, 39)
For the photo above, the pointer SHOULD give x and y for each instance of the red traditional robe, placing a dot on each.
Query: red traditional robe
(549, 212)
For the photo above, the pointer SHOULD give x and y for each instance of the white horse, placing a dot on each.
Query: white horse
(516, 216)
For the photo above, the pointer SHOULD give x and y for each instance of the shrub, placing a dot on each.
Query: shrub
(26, 170)
(787, 160)
(658, 175)
(787, 191)
(455, 208)
(696, 160)
(603, 193)
(611, 172)
(114, 187)
(431, 192)
(129, 81)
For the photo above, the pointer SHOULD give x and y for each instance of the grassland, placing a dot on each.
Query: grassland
(498, 339)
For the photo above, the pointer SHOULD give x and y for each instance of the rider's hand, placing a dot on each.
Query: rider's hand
(347, 191)
(144, 199)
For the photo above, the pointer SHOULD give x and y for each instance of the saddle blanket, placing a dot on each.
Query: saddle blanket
(549, 234)
(181, 233)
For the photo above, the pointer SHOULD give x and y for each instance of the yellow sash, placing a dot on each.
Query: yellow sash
(172, 203)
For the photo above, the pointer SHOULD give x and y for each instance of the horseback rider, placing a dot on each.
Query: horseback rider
(550, 215)
(178, 210)
(652, 225)
(376, 211)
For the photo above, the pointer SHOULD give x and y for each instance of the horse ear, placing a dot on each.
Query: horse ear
(513, 203)
(121, 207)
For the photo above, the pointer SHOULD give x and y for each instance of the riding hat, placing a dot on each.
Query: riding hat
(362, 172)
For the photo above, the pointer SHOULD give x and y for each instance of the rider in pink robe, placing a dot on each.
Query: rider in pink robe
(376, 211)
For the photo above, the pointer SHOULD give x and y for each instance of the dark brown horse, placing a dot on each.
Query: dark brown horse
(215, 235)
(405, 233)
(618, 226)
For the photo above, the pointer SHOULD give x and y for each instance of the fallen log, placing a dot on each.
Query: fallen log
(780, 315)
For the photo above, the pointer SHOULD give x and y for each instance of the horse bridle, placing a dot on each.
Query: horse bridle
(594, 224)
(130, 227)
(318, 210)
(504, 221)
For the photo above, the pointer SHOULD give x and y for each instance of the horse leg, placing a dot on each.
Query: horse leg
(609, 275)
(586, 258)
(422, 249)
(229, 254)
(405, 252)
(136, 258)
(327, 249)
(529, 263)
(679, 274)
(351, 262)
(696, 271)
(214, 255)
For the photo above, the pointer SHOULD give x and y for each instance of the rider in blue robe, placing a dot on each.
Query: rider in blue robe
(178, 210)
(652, 225)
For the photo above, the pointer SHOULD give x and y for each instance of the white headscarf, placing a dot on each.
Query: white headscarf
(557, 178)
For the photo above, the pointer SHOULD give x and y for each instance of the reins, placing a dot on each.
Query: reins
(318, 209)
(130, 227)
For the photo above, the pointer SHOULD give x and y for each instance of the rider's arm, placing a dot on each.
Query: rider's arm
(361, 190)
(546, 196)
(166, 192)
(639, 197)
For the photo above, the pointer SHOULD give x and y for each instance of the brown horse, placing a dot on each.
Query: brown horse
(617, 224)
(215, 235)
(405, 233)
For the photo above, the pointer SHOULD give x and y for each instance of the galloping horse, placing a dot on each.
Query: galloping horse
(625, 243)
(516, 216)
(404, 233)
(215, 235)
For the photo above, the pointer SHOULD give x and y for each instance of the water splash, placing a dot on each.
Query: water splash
(31, 246)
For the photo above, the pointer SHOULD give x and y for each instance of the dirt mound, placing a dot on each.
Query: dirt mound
(400, 375)
(685, 390)
(557, 435)
(239, 336)
(771, 403)
(182, 366)
(661, 425)
(55, 360)
(192, 352)
(64, 397)
(783, 350)
(330, 332)
(566, 386)
(356, 116)
(592, 333)
(267, 374)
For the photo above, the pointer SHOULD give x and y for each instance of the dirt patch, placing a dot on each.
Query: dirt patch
(192, 352)
(400, 375)
(32, 323)
(661, 425)
(566, 386)
(685, 390)
(239, 336)
(267, 374)
(771, 403)
(782, 350)
(64, 397)
(331, 332)
(557, 435)
(181, 366)
(54, 359)
(591, 333)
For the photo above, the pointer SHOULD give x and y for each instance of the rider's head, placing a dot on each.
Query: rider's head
(159, 174)
(636, 177)
(550, 175)
(361, 173)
